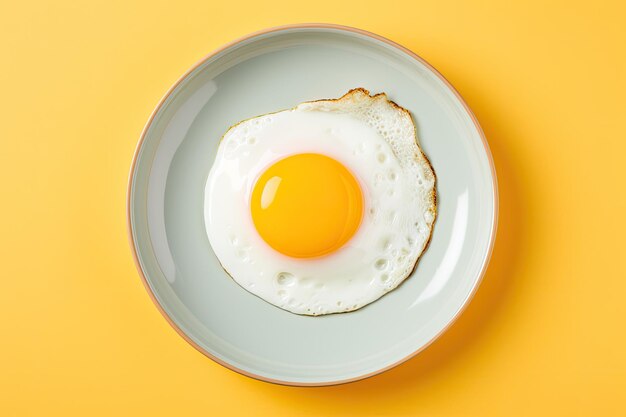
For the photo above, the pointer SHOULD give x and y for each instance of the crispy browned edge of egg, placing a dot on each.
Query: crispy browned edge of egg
(433, 199)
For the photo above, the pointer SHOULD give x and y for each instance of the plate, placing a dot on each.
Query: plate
(272, 70)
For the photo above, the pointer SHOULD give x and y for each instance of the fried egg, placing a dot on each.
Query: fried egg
(322, 208)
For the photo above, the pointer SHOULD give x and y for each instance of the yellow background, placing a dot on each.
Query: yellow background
(545, 334)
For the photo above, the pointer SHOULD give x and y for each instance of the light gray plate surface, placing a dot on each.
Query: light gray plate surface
(270, 71)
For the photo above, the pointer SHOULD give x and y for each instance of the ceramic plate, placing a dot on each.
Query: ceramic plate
(274, 70)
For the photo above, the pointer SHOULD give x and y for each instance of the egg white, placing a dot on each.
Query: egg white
(375, 139)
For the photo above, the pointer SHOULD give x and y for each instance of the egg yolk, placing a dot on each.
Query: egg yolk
(306, 205)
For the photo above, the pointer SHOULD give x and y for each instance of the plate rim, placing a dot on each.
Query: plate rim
(163, 99)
